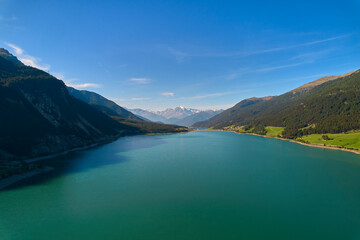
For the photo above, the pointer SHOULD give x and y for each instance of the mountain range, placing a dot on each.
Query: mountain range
(179, 115)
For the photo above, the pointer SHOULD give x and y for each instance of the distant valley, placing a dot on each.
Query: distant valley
(180, 115)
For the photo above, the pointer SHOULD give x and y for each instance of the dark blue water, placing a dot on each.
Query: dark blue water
(198, 185)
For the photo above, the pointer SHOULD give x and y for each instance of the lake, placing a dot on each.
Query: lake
(197, 185)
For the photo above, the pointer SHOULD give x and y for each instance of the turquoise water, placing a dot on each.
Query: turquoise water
(198, 185)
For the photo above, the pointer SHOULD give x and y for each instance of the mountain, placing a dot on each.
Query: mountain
(197, 117)
(122, 115)
(148, 115)
(177, 113)
(101, 103)
(169, 115)
(226, 117)
(8, 56)
(40, 117)
(327, 105)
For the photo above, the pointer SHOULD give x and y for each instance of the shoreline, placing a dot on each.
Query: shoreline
(8, 181)
(290, 140)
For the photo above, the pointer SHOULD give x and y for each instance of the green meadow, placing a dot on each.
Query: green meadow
(274, 131)
(348, 140)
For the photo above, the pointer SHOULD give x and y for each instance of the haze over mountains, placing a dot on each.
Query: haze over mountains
(179, 115)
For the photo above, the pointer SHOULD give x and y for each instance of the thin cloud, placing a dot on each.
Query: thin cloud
(62, 77)
(18, 50)
(130, 99)
(171, 94)
(140, 80)
(181, 55)
(215, 107)
(34, 62)
(28, 59)
(291, 46)
(219, 94)
(312, 55)
(8, 19)
(85, 85)
(268, 69)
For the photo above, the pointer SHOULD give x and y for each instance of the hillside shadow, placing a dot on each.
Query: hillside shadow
(85, 160)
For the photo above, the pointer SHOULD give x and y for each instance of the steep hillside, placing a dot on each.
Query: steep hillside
(227, 117)
(39, 117)
(197, 117)
(101, 103)
(332, 106)
(123, 116)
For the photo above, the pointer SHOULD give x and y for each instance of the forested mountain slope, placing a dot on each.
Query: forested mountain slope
(101, 103)
(227, 117)
(330, 107)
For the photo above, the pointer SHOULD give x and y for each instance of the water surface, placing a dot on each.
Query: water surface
(198, 185)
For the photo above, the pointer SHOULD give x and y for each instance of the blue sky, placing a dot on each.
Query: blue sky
(199, 54)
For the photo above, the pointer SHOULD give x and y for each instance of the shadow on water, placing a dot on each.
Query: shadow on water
(85, 160)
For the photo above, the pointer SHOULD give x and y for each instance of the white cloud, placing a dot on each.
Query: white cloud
(34, 62)
(216, 107)
(268, 69)
(85, 85)
(210, 95)
(18, 50)
(28, 59)
(171, 94)
(139, 99)
(181, 55)
(140, 80)
(129, 99)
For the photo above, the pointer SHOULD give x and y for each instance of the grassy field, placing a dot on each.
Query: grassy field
(274, 131)
(348, 140)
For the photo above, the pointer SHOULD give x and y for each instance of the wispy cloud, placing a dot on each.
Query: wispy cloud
(73, 82)
(35, 62)
(17, 49)
(312, 55)
(61, 76)
(8, 19)
(130, 99)
(219, 94)
(181, 55)
(292, 46)
(85, 85)
(268, 69)
(243, 71)
(140, 80)
(28, 59)
(216, 107)
(171, 94)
